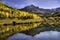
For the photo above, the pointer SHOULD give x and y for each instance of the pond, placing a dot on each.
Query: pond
(47, 35)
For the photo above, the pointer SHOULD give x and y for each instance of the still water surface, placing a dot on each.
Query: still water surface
(47, 35)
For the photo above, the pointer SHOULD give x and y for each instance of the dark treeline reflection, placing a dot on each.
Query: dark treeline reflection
(48, 35)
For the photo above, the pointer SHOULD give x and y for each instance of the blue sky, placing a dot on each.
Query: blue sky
(47, 4)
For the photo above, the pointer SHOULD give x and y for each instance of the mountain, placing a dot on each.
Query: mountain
(38, 10)
(35, 9)
(57, 9)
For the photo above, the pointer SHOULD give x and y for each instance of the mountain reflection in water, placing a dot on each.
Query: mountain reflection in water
(47, 35)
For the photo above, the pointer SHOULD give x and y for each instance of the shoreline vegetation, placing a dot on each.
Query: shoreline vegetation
(11, 20)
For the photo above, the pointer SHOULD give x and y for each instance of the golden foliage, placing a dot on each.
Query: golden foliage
(8, 15)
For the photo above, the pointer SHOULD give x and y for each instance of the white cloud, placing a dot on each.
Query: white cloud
(39, 3)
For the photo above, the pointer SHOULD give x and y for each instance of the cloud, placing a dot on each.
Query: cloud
(39, 3)
(50, 35)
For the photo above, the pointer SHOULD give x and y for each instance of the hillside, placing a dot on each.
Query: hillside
(7, 11)
(14, 21)
(37, 10)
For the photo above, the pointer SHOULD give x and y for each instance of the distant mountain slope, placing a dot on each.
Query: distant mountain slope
(35, 9)
(56, 14)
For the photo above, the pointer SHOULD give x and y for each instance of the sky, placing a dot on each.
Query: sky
(48, 35)
(47, 4)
